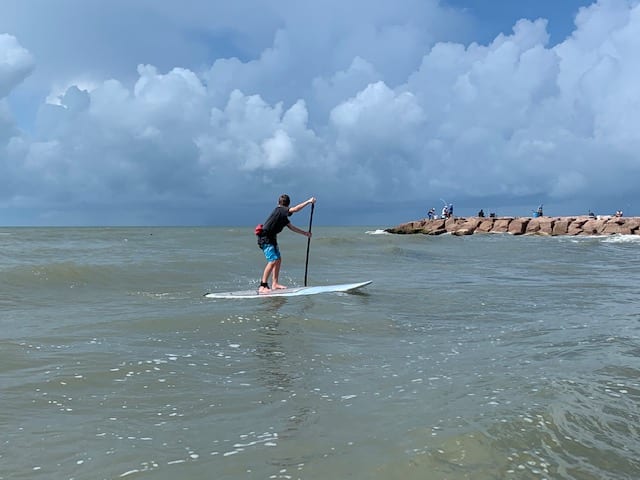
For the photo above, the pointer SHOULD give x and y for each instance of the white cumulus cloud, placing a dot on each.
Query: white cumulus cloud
(16, 63)
(378, 106)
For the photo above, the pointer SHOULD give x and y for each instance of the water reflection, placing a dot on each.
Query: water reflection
(281, 371)
(275, 371)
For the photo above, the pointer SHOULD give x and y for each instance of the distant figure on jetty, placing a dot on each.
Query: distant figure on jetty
(447, 210)
(431, 214)
(481, 213)
(591, 214)
(618, 213)
(538, 213)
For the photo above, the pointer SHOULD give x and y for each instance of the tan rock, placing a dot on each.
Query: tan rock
(581, 220)
(432, 226)
(590, 227)
(601, 224)
(615, 227)
(452, 223)
(576, 224)
(485, 226)
(466, 226)
(634, 224)
(533, 226)
(574, 229)
(518, 226)
(472, 223)
(402, 229)
(560, 226)
(546, 226)
(501, 225)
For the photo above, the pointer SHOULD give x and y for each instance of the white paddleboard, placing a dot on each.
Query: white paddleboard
(290, 292)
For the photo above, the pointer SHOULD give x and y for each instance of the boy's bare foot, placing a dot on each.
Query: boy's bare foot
(264, 288)
(277, 286)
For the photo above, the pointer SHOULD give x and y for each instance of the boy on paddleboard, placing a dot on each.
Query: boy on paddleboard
(268, 239)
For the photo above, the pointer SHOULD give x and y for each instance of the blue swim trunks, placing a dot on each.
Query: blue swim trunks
(271, 252)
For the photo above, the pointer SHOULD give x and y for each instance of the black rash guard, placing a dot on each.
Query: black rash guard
(276, 222)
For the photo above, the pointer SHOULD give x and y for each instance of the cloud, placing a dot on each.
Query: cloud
(251, 137)
(382, 128)
(542, 121)
(367, 109)
(16, 63)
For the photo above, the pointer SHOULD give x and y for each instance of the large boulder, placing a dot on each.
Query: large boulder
(466, 227)
(616, 227)
(560, 226)
(590, 227)
(533, 226)
(501, 225)
(518, 226)
(485, 226)
(434, 227)
(462, 231)
(546, 226)
(407, 228)
(452, 223)
(576, 225)
(634, 224)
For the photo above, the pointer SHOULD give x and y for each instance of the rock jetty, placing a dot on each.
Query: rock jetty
(552, 226)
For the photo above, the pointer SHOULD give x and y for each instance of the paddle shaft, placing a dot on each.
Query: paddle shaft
(306, 263)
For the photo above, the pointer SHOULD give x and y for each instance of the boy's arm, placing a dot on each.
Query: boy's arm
(298, 230)
(300, 206)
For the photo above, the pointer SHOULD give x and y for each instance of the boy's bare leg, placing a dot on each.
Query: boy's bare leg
(276, 275)
(265, 277)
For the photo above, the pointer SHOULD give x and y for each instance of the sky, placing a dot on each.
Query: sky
(202, 112)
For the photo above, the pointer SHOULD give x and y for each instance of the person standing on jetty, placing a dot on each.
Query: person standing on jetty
(268, 239)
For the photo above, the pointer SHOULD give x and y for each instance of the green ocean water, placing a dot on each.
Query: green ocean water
(481, 357)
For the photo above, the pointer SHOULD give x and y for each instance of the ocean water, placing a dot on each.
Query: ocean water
(481, 357)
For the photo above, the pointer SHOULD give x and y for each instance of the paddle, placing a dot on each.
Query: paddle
(306, 263)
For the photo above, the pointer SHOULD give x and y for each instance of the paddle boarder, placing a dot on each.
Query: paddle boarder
(268, 239)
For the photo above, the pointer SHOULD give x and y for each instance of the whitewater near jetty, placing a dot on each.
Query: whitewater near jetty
(579, 225)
